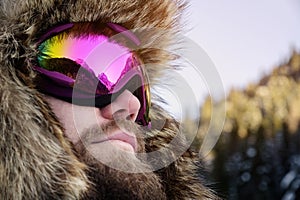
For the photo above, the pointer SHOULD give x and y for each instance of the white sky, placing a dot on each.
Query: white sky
(244, 39)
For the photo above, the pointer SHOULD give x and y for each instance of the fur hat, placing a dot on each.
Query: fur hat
(36, 161)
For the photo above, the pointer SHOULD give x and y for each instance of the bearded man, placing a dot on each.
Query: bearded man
(77, 120)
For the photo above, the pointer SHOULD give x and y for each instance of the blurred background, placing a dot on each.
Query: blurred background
(245, 39)
(255, 47)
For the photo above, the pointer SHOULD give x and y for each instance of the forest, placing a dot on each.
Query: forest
(257, 155)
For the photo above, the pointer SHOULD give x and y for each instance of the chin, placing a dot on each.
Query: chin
(118, 174)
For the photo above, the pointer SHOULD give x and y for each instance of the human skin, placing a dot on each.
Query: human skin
(76, 119)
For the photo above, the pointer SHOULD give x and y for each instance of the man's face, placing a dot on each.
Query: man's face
(78, 119)
(108, 141)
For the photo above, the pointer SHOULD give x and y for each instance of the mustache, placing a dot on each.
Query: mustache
(129, 127)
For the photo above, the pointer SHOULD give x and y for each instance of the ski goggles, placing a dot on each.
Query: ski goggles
(91, 69)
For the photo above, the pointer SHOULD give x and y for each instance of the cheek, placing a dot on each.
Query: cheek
(71, 131)
(64, 113)
(76, 120)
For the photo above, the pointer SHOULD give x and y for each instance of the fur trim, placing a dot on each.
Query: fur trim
(181, 178)
(36, 162)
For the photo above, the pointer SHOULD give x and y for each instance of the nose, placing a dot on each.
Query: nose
(126, 106)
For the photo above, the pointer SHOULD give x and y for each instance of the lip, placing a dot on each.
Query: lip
(121, 136)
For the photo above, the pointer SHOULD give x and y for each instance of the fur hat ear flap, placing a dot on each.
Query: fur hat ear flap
(35, 160)
(11, 51)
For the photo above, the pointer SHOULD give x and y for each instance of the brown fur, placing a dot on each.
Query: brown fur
(36, 161)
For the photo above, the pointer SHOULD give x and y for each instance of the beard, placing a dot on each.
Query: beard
(114, 173)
